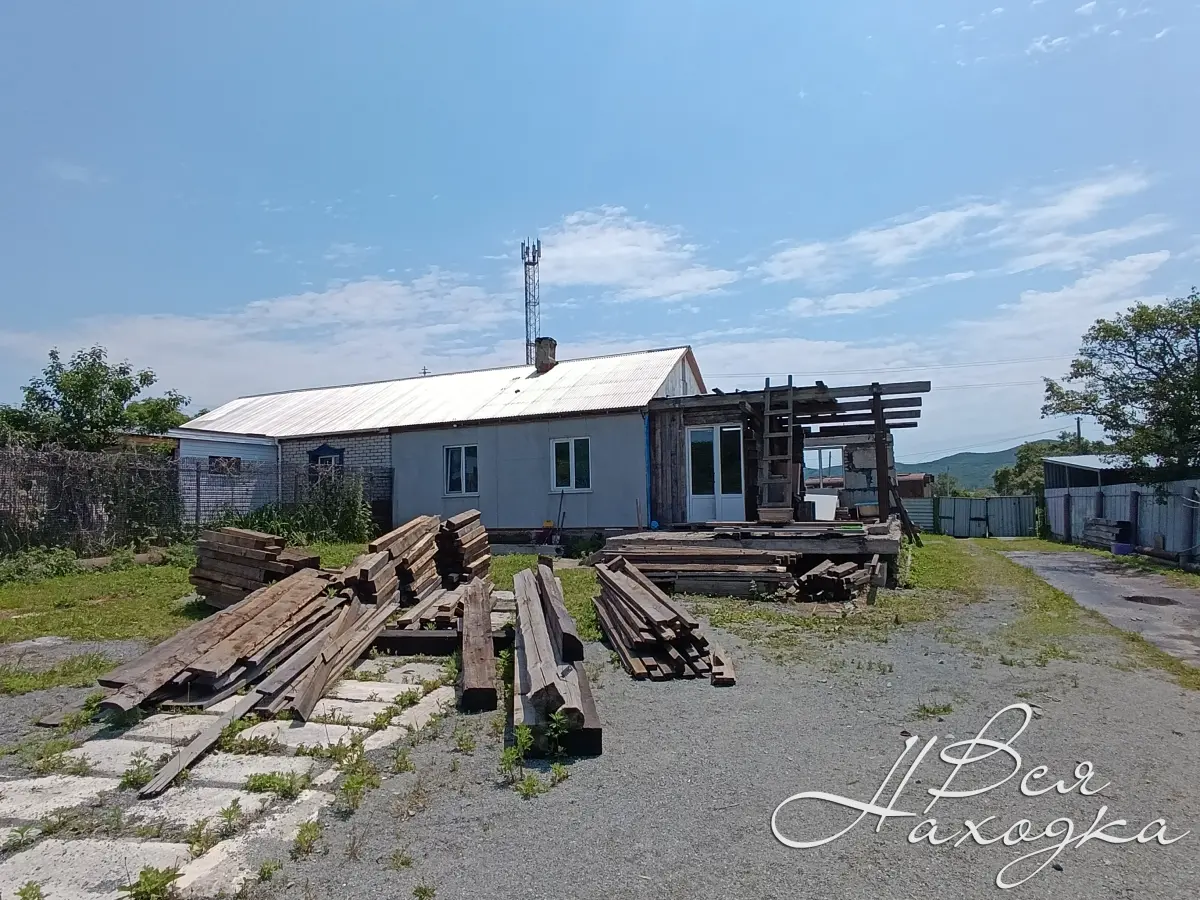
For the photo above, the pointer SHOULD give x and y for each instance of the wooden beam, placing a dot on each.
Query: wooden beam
(432, 642)
(478, 662)
(845, 418)
(854, 430)
(883, 478)
(799, 395)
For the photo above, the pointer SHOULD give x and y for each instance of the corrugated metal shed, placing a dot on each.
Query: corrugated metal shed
(1088, 461)
(572, 387)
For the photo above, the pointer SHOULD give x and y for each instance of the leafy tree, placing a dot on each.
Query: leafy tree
(85, 403)
(1138, 375)
(1027, 475)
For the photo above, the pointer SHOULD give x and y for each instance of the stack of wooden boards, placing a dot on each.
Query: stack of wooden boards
(440, 609)
(1106, 532)
(653, 636)
(549, 681)
(830, 582)
(402, 560)
(464, 551)
(720, 571)
(234, 562)
(280, 648)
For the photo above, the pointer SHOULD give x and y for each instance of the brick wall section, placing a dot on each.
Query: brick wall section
(359, 450)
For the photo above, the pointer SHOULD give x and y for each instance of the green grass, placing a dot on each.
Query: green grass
(336, 556)
(78, 671)
(1147, 564)
(579, 587)
(138, 603)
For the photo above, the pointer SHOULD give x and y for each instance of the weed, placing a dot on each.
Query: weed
(139, 772)
(416, 801)
(522, 740)
(231, 740)
(366, 674)
(509, 760)
(151, 884)
(556, 732)
(354, 846)
(504, 671)
(464, 741)
(60, 763)
(37, 564)
(268, 869)
(360, 776)
(530, 786)
(401, 859)
(199, 838)
(1025, 695)
(337, 717)
(429, 685)
(400, 761)
(452, 668)
(230, 816)
(306, 839)
(152, 831)
(424, 892)
(382, 719)
(454, 764)
(927, 711)
(285, 785)
(558, 774)
(496, 726)
(78, 671)
(30, 890)
(21, 835)
(82, 717)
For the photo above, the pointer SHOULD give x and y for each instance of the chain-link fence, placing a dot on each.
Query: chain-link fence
(94, 502)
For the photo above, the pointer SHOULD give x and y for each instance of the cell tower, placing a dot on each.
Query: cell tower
(531, 255)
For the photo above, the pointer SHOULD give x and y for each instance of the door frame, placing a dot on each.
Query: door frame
(717, 496)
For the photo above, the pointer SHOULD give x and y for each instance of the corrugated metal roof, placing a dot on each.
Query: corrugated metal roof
(1087, 461)
(599, 384)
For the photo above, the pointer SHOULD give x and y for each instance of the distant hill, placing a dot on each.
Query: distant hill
(973, 470)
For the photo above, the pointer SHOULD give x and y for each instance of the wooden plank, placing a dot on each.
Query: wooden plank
(462, 520)
(251, 569)
(374, 565)
(234, 551)
(197, 748)
(226, 578)
(244, 537)
(632, 664)
(561, 626)
(721, 666)
(549, 690)
(478, 661)
(405, 535)
(322, 665)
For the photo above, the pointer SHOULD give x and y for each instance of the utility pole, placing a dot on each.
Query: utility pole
(531, 256)
(424, 371)
(1079, 435)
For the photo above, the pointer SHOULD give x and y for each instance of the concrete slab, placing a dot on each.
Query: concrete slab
(411, 719)
(114, 756)
(223, 706)
(226, 866)
(86, 869)
(178, 729)
(235, 768)
(294, 734)
(384, 691)
(353, 712)
(184, 805)
(30, 799)
(413, 673)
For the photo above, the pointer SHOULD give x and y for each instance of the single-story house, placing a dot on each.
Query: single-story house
(564, 442)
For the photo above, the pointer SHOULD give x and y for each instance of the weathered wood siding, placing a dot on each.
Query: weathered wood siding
(668, 459)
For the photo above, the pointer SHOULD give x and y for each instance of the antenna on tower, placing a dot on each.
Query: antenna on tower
(531, 255)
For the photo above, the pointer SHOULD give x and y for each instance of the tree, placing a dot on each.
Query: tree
(84, 404)
(1027, 475)
(1138, 375)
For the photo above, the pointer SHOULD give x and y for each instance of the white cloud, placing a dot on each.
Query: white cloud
(804, 262)
(72, 173)
(1047, 44)
(1163, 33)
(903, 241)
(1069, 251)
(608, 248)
(1087, 9)
(1082, 201)
(347, 254)
(846, 303)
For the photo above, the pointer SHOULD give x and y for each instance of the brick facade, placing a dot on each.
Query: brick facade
(357, 450)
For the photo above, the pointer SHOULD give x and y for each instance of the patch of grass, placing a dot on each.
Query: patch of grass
(82, 717)
(558, 774)
(230, 816)
(307, 837)
(30, 890)
(268, 869)
(530, 786)
(400, 859)
(37, 564)
(933, 711)
(200, 838)
(359, 775)
(579, 587)
(138, 603)
(139, 772)
(151, 884)
(77, 671)
(464, 741)
(336, 555)
(400, 761)
(424, 892)
(285, 785)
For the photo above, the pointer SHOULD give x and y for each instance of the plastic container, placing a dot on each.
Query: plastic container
(1121, 549)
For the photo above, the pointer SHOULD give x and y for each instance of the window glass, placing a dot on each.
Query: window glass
(471, 469)
(703, 462)
(562, 464)
(583, 464)
(454, 470)
(731, 460)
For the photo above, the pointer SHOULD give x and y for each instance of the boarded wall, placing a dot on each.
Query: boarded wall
(1167, 522)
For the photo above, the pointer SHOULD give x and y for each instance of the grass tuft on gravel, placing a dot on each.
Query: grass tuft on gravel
(77, 671)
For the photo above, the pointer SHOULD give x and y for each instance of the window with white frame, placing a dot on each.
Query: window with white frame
(571, 464)
(462, 469)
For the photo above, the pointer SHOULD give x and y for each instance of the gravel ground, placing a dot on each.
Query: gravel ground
(680, 804)
(18, 713)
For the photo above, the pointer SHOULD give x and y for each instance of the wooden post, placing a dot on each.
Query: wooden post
(1135, 505)
(882, 479)
(1067, 518)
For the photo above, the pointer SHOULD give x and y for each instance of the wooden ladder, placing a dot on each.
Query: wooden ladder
(776, 470)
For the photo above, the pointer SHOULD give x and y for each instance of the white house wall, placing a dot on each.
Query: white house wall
(515, 476)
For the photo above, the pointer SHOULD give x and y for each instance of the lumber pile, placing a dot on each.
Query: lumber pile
(440, 609)
(411, 552)
(234, 562)
(464, 551)
(548, 675)
(478, 655)
(830, 582)
(1106, 532)
(653, 636)
(721, 571)
(280, 648)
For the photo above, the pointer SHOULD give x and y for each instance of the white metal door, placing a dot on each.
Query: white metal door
(715, 490)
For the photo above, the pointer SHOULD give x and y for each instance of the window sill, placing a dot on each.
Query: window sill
(459, 496)
(570, 490)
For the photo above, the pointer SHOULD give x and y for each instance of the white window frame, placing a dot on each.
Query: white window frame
(462, 471)
(570, 441)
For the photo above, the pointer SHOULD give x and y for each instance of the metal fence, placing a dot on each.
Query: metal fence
(1014, 516)
(1166, 519)
(94, 502)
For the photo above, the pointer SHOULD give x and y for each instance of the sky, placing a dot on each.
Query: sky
(252, 196)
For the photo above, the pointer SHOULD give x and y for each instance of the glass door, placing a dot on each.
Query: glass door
(714, 474)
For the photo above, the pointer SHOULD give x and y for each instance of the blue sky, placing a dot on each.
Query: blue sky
(247, 199)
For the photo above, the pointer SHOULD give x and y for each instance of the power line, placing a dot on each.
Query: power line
(982, 384)
(822, 374)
